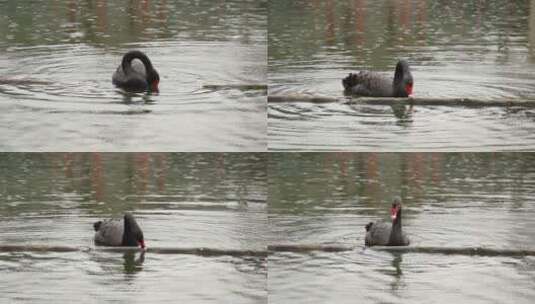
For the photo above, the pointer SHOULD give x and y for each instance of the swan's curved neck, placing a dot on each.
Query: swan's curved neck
(397, 222)
(396, 232)
(128, 57)
(129, 233)
(400, 72)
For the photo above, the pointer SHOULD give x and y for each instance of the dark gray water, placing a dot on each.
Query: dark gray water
(475, 49)
(180, 200)
(450, 200)
(56, 62)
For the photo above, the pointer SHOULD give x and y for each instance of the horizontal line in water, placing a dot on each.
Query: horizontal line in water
(243, 87)
(300, 248)
(308, 248)
(201, 251)
(480, 251)
(467, 102)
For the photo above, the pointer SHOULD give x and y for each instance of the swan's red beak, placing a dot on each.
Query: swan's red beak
(154, 85)
(394, 212)
(142, 244)
(408, 89)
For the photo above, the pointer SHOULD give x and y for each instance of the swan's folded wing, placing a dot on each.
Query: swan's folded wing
(366, 83)
(379, 234)
(110, 233)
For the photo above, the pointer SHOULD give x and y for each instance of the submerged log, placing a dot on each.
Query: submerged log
(476, 251)
(201, 251)
(243, 87)
(36, 248)
(309, 248)
(479, 251)
(23, 81)
(464, 102)
(423, 101)
(302, 98)
(298, 248)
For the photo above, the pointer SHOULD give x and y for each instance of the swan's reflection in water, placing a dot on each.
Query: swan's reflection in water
(397, 274)
(403, 113)
(131, 263)
(137, 98)
(113, 268)
(396, 262)
(395, 271)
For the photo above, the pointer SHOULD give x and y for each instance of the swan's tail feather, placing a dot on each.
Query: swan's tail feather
(96, 225)
(350, 81)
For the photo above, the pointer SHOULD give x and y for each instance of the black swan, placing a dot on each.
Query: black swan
(134, 76)
(383, 234)
(119, 232)
(366, 83)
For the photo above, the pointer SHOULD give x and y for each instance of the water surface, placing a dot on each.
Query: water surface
(450, 200)
(180, 201)
(474, 49)
(56, 62)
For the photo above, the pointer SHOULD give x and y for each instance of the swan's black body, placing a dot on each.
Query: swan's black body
(135, 77)
(119, 232)
(383, 234)
(366, 83)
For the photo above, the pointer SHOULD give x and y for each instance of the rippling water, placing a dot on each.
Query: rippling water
(450, 200)
(56, 63)
(180, 200)
(480, 50)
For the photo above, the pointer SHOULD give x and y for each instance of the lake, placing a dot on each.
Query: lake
(450, 200)
(57, 60)
(210, 200)
(472, 49)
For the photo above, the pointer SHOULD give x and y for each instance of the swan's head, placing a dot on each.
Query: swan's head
(403, 82)
(396, 207)
(154, 80)
(133, 233)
